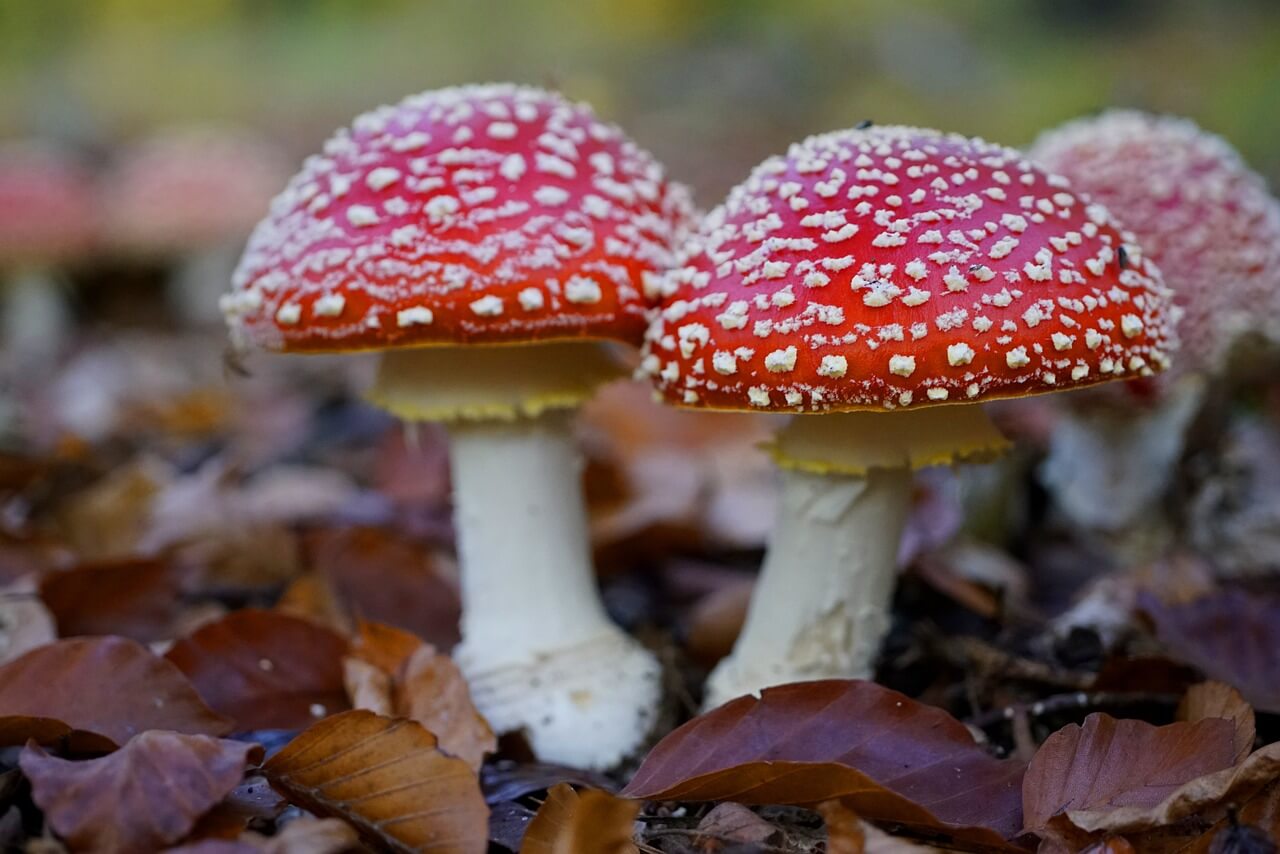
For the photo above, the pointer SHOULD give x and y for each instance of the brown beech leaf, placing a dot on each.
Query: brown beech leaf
(1231, 635)
(134, 598)
(1108, 764)
(303, 835)
(1200, 796)
(882, 754)
(380, 575)
(734, 823)
(431, 690)
(392, 672)
(587, 822)
(265, 670)
(1219, 700)
(149, 793)
(312, 598)
(111, 686)
(848, 834)
(388, 778)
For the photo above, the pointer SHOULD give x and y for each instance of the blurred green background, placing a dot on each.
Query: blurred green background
(710, 87)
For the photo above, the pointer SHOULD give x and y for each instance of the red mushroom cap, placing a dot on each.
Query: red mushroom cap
(46, 204)
(478, 214)
(889, 267)
(1199, 212)
(190, 188)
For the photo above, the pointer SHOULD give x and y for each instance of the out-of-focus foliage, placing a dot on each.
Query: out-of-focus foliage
(711, 86)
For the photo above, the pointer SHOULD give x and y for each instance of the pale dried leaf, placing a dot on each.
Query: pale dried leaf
(587, 822)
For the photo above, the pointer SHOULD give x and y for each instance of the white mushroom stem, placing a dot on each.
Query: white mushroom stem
(36, 320)
(1108, 467)
(539, 653)
(821, 606)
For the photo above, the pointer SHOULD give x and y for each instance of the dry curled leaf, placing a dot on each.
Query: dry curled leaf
(587, 822)
(394, 673)
(388, 778)
(110, 686)
(736, 824)
(881, 753)
(1108, 764)
(1232, 635)
(1218, 700)
(265, 670)
(148, 794)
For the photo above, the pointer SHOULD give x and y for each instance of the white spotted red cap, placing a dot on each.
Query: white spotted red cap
(491, 214)
(887, 267)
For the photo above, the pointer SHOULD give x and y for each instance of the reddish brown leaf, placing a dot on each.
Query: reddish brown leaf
(134, 598)
(387, 777)
(265, 670)
(431, 690)
(383, 646)
(395, 673)
(734, 823)
(50, 732)
(111, 686)
(1218, 700)
(1232, 635)
(311, 598)
(587, 822)
(1109, 763)
(884, 755)
(145, 795)
(1208, 796)
(380, 575)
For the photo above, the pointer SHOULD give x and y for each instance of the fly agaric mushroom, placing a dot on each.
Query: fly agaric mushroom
(1210, 225)
(436, 230)
(46, 220)
(880, 273)
(191, 196)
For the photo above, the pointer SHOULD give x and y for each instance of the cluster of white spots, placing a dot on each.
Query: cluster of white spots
(483, 212)
(945, 268)
(1198, 212)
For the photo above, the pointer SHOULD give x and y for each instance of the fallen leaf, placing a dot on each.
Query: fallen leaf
(110, 518)
(734, 823)
(110, 686)
(1236, 784)
(368, 687)
(385, 647)
(431, 690)
(135, 598)
(302, 835)
(1218, 700)
(25, 623)
(388, 778)
(505, 780)
(381, 575)
(394, 673)
(253, 799)
(148, 794)
(1231, 635)
(265, 670)
(848, 834)
(311, 598)
(587, 822)
(881, 753)
(1108, 764)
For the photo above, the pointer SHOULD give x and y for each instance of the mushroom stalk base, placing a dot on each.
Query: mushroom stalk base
(36, 319)
(821, 605)
(538, 650)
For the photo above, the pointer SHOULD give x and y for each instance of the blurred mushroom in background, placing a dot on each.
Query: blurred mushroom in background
(1209, 224)
(187, 198)
(46, 225)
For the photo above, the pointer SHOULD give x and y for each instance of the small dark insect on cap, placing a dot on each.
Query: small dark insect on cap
(863, 125)
(1123, 257)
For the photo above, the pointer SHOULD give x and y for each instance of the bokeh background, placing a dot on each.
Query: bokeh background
(710, 86)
